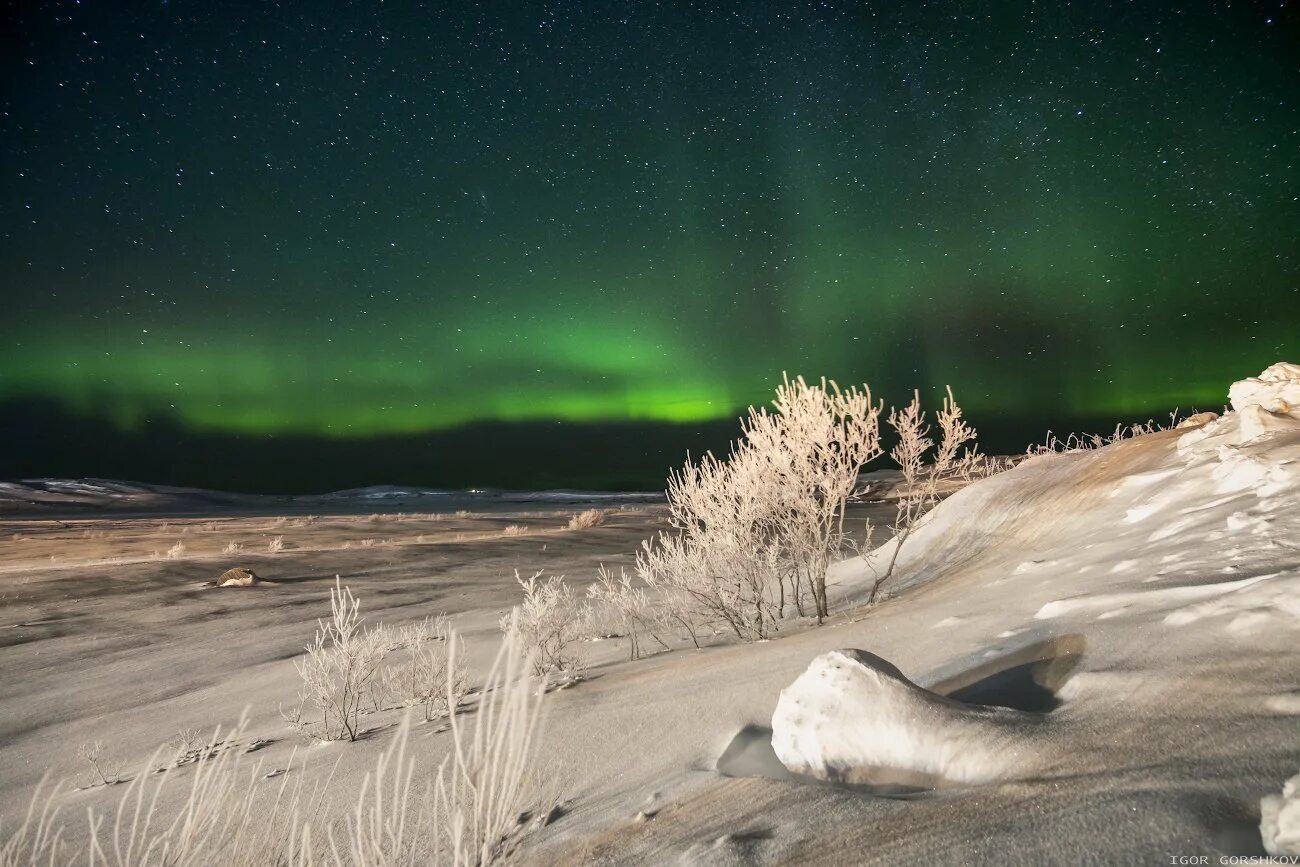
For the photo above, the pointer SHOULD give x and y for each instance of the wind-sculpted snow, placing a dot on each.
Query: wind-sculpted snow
(1268, 402)
(1186, 515)
(852, 717)
(1185, 534)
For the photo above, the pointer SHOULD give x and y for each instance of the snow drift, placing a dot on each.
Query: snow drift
(1280, 820)
(1268, 402)
(1223, 492)
(852, 717)
(1196, 525)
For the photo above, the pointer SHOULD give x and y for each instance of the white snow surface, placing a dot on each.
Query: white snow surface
(1167, 568)
(1228, 495)
(1191, 552)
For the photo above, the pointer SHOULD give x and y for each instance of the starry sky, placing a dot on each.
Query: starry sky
(342, 224)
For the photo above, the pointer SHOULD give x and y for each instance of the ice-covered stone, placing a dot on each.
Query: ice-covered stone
(853, 717)
(237, 577)
(1279, 823)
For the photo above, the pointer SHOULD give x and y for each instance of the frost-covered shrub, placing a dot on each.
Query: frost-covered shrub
(754, 534)
(338, 671)
(629, 609)
(432, 676)
(549, 621)
(428, 629)
(586, 519)
(727, 577)
(106, 771)
(810, 452)
(927, 465)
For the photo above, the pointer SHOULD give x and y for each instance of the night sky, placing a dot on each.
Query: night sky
(296, 245)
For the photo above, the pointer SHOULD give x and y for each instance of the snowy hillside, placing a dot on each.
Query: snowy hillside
(1181, 547)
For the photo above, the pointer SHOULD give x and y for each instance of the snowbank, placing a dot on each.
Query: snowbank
(1183, 492)
(1268, 402)
(1186, 533)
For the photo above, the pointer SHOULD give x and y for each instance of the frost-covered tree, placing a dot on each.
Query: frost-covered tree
(925, 474)
(754, 534)
(338, 670)
(549, 621)
(617, 601)
(810, 451)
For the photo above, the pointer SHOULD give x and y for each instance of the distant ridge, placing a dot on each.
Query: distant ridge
(74, 496)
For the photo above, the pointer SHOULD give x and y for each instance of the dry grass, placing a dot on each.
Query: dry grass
(587, 519)
(471, 810)
(1089, 442)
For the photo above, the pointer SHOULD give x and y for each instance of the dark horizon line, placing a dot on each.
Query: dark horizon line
(42, 438)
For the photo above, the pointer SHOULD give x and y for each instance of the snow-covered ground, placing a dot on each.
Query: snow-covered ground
(91, 496)
(1135, 609)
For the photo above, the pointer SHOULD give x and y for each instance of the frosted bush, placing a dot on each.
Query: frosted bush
(714, 578)
(628, 608)
(429, 629)
(809, 453)
(426, 673)
(549, 621)
(106, 771)
(754, 534)
(432, 678)
(927, 465)
(586, 519)
(338, 671)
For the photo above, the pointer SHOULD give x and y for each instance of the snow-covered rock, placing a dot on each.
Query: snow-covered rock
(237, 577)
(853, 717)
(1268, 402)
(1279, 823)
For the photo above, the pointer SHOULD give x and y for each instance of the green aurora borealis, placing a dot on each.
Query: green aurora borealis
(264, 219)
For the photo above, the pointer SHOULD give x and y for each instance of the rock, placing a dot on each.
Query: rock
(1279, 822)
(852, 717)
(237, 577)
